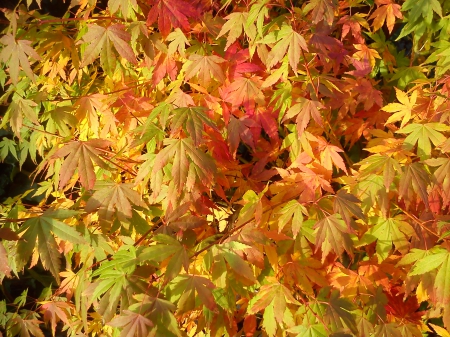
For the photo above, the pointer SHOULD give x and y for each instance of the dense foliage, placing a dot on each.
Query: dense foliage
(230, 168)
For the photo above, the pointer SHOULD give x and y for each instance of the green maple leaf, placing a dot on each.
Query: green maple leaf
(332, 233)
(80, 155)
(422, 8)
(124, 5)
(388, 232)
(292, 211)
(100, 41)
(191, 119)
(424, 135)
(41, 231)
(285, 39)
(190, 165)
(16, 53)
(111, 198)
(132, 324)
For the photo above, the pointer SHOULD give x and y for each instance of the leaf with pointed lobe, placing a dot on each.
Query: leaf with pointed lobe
(110, 198)
(332, 234)
(132, 324)
(15, 54)
(414, 183)
(322, 10)
(387, 11)
(423, 135)
(305, 109)
(178, 42)
(340, 308)
(190, 165)
(377, 163)
(42, 231)
(192, 120)
(236, 23)
(81, 155)
(245, 91)
(192, 287)
(286, 39)
(237, 130)
(389, 232)
(16, 111)
(99, 41)
(292, 212)
(171, 14)
(402, 111)
(205, 67)
(346, 205)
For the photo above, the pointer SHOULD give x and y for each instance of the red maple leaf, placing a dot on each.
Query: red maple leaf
(171, 14)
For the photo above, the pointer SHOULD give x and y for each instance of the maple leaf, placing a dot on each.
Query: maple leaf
(110, 198)
(338, 309)
(292, 211)
(286, 39)
(191, 119)
(42, 230)
(366, 53)
(414, 182)
(164, 64)
(81, 154)
(26, 327)
(205, 67)
(189, 286)
(329, 154)
(5, 268)
(333, 234)
(381, 163)
(170, 13)
(345, 204)
(403, 110)
(322, 10)
(273, 295)
(90, 107)
(239, 129)
(424, 135)
(244, 91)
(124, 6)
(54, 312)
(16, 53)
(236, 23)
(132, 324)
(442, 176)
(304, 110)
(178, 42)
(190, 165)
(99, 41)
(167, 247)
(15, 112)
(388, 232)
(387, 11)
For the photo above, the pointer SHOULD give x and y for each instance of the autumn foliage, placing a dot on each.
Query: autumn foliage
(227, 168)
